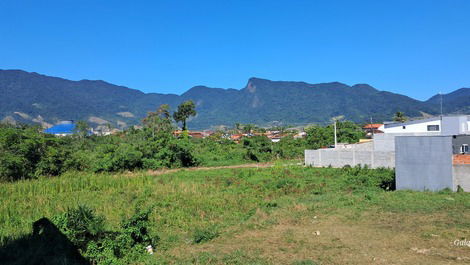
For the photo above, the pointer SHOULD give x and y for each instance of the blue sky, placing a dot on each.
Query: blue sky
(417, 48)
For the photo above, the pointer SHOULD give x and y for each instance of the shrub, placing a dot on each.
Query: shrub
(288, 147)
(117, 158)
(202, 235)
(80, 225)
(182, 154)
(52, 162)
(358, 177)
(12, 167)
(258, 148)
(135, 230)
(21, 150)
(86, 231)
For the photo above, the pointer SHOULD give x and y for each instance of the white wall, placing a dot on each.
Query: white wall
(413, 128)
(340, 157)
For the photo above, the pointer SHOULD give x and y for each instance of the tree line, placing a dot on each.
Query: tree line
(29, 153)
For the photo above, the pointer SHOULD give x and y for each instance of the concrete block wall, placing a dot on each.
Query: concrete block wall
(461, 173)
(367, 146)
(309, 156)
(341, 158)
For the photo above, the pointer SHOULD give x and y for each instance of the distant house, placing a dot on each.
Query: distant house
(440, 125)
(192, 134)
(208, 133)
(197, 134)
(275, 138)
(300, 135)
(236, 137)
(63, 128)
(373, 128)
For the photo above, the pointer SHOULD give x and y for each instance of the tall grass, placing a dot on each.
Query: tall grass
(187, 201)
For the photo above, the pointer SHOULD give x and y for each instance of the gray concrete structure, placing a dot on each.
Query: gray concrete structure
(454, 125)
(458, 141)
(386, 141)
(423, 162)
(461, 175)
(430, 163)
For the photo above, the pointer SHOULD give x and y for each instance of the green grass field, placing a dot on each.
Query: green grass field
(276, 215)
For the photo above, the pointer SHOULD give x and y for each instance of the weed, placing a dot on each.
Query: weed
(202, 235)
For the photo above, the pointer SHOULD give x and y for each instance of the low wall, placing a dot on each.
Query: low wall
(461, 174)
(342, 157)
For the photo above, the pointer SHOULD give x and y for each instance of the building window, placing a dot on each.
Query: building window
(433, 128)
(464, 149)
(404, 127)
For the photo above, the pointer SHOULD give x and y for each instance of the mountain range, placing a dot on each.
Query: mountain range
(34, 98)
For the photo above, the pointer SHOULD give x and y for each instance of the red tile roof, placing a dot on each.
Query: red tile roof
(373, 126)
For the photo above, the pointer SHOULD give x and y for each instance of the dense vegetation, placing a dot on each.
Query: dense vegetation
(234, 216)
(28, 153)
(261, 101)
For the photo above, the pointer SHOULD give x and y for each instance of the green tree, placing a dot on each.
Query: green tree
(159, 122)
(400, 117)
(81, 129)
(248, 128)
(237, 126)
(185, 110)
(347, 132)
(319, 137)
(258, 148)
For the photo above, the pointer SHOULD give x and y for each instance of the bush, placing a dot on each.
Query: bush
(182, 154)
(21, 150)
(80, 225)
(117, 158)
(52, 162)
(288, 147)
(358, 177)
(258, 148)
(202, 235)
(12, 167)
(86, 231)
(135, 231)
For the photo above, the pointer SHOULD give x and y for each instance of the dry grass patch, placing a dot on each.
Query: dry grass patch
(378, 238)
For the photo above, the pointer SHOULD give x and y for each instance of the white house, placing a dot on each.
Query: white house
(441, 125)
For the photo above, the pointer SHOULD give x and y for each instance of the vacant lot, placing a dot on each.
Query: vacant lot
(276, 215)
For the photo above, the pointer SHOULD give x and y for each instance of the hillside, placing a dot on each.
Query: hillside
(457, 101)
(31, 97)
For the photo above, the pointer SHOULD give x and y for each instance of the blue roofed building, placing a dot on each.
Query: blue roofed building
(63, 128)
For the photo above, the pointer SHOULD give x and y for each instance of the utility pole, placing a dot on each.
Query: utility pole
(440, 93)
(336, 141)
(372, 129)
